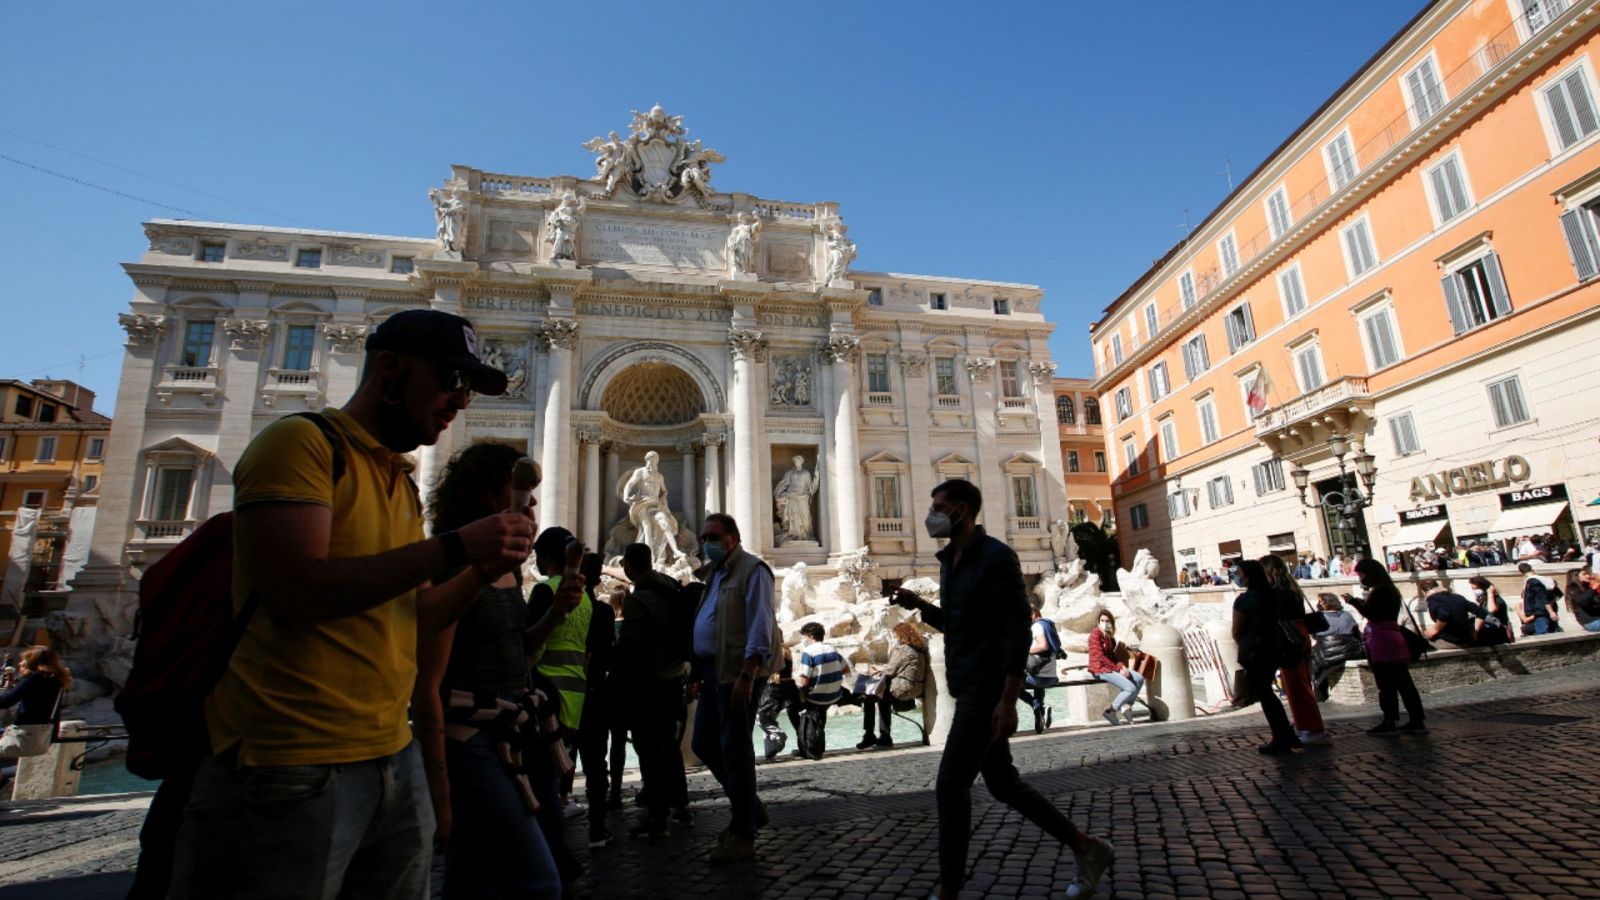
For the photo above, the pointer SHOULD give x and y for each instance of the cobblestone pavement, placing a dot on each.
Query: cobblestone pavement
(1494, 802)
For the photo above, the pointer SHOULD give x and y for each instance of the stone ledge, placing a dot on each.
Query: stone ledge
(1450, 667)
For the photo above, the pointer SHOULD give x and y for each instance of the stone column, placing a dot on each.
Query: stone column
(1052, 494)
(608, 487)
(713, 442)
(989, 478)
(558, 337)
(747, 347)
(689, 509)
(919, 481)
(243, 342)
(590, 439)
(840, 351)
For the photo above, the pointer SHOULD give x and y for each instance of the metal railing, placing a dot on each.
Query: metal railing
(1340, 390)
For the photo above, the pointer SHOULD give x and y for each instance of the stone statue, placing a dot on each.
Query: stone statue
(1068, 594)
(741, 246)
(792, 605)
(448, 210)
(1059, 534)
(645, 494)
(695, 174)
(562, 231)
(611, 165)
(791, 381)
(793, 498)
(1145, 601)
(841, 250)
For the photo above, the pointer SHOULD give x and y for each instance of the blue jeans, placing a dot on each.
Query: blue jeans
(1592, 626)
(496, 848)
(723, 740)
(1128, 682)
(361, 829)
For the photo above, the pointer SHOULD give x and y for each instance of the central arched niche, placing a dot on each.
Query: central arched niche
(652, 393)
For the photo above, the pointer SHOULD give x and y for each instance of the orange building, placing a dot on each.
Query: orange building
(1083, 452)
(52, 444)
(1397, 309)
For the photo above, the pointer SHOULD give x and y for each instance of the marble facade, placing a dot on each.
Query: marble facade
(637, 311)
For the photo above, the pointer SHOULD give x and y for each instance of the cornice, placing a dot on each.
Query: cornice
(1493, 86)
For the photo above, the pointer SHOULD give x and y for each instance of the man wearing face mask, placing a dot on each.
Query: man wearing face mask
(735, 639)
(983, 613)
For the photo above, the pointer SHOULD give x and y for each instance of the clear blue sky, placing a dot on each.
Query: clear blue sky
(1057, 144)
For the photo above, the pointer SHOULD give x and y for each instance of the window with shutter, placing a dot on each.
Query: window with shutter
(1572, 110)
(1358, 247)
(1186, 289)
(1381, 343)
(1159, 384)
(1293, 291)
(1449, 189)
(1427, 97)
(1116, 349)
(1130, 454)
(1403, 432)
(1341, 161)
(1207, 411)
(1228, 251)
(1278, 212)
(1540, 13)
(1073, 464)
(1475, 294)
(1578, 225)
(1505, 396)
(1309, 363)
(1139, 515)
(1151, 323)
(1124, 404)
(1169, 439)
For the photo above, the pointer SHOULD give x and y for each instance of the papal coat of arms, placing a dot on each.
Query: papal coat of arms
(655, 162)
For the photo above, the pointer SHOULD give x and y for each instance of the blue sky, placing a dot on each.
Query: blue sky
(1057, 144)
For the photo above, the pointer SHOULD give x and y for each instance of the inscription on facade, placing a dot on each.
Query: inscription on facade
(503, 304)
(1467, 479)
(664, 245)
(619, 310)
(791, 320)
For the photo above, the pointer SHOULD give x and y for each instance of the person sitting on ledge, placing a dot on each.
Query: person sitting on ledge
(1105, 664)
(1584, 598)
(904, 679)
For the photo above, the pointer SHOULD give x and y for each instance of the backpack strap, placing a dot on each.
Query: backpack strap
(335, 440)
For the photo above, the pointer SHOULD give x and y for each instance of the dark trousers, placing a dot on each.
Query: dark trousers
(723, 741)
(968, 752)
(1394, 685)
(593, 730)
(655, 740)
(158, 838)
(497, 848)
(1260, 681)
(782, 697)
(885, 709)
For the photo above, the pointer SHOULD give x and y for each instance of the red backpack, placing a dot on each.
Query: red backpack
(186, 633)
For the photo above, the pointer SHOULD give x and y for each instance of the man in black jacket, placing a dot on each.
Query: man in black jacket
(653, 669)
(983, 613)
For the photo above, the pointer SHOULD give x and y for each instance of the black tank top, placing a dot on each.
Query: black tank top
(488, 654)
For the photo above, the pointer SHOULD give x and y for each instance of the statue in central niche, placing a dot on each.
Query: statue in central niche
(793, 499)
(645, 494)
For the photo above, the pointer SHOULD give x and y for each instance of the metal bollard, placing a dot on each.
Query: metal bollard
(1170, 695)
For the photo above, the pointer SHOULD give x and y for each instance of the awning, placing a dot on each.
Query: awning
(1281, 546)
(1521, 520)
(1416, 534)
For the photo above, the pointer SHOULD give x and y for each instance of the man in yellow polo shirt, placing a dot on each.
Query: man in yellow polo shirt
(316, 787)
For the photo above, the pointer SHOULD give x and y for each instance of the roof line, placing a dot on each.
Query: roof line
(234, 226)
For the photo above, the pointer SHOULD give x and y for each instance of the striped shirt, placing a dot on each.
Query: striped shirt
(824, 670)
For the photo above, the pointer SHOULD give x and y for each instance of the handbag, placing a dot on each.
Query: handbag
(27, 740)
(1315, 622)
(1417, 644)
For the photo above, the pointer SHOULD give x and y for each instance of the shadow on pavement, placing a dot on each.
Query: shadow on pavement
(100, 886)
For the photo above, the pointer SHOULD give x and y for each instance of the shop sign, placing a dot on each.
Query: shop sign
(1470, 479)
(1549, 493)
(1423, 514)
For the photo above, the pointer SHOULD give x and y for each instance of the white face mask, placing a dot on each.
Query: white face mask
(1106, 627)
(938, 524)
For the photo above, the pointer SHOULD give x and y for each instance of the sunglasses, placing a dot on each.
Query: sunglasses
(451, 381)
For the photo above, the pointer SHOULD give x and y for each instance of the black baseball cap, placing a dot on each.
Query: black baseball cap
(442, 338)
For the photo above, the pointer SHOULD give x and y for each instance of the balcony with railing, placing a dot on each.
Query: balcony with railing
(948, 401)
(1015, 404)
(1348, 394)
(301, 383)
(1026, 524)
(161, 531)
(890, 534)
(203, 381)
(880, 399)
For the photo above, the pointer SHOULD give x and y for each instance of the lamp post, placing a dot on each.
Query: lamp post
(1350, 498)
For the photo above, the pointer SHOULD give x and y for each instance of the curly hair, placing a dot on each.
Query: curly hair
(467, 489)
(910, 636)
(45, 661)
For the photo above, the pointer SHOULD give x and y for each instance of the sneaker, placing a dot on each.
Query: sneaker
(1110, 716)
(599, 839)
(735, 849)
(1413, 727)
(1092, 867)
(1127, 715)
(572, 809)
(1038, 721)
(1048, 717)
(1385, 728)
(648, 828)
(683, 817)
(1274, 748)
(1315, 737)
(867, 743)
(797, 753)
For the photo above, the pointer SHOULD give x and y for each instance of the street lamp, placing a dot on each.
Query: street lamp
(1350, 498)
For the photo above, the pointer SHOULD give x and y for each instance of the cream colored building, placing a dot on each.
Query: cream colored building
(640, 310)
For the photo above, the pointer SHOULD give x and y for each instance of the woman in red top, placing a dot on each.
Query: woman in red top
(1104, 665)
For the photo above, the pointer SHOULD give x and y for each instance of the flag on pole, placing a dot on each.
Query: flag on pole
(1256, 397)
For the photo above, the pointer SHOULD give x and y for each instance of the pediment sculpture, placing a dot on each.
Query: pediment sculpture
(655, 161)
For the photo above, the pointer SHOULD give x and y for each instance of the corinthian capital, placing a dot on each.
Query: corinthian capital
(914, 364)
(713, 438)
(344, 337)
(747, 345)
(245, 334)
(142, 330)
(557, 334)
(979, 367)
(840, 349)
(1042, 370)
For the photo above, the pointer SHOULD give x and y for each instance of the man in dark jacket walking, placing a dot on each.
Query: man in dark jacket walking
(652, 665)
(983, 613)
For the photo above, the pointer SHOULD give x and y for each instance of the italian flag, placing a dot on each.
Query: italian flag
(1256, 397)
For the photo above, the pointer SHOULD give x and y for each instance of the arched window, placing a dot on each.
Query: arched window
(1091, 411)
(1066, 413)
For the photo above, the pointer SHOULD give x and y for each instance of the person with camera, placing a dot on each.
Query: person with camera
(983, 612)
(1388, 651)
(902, 679)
